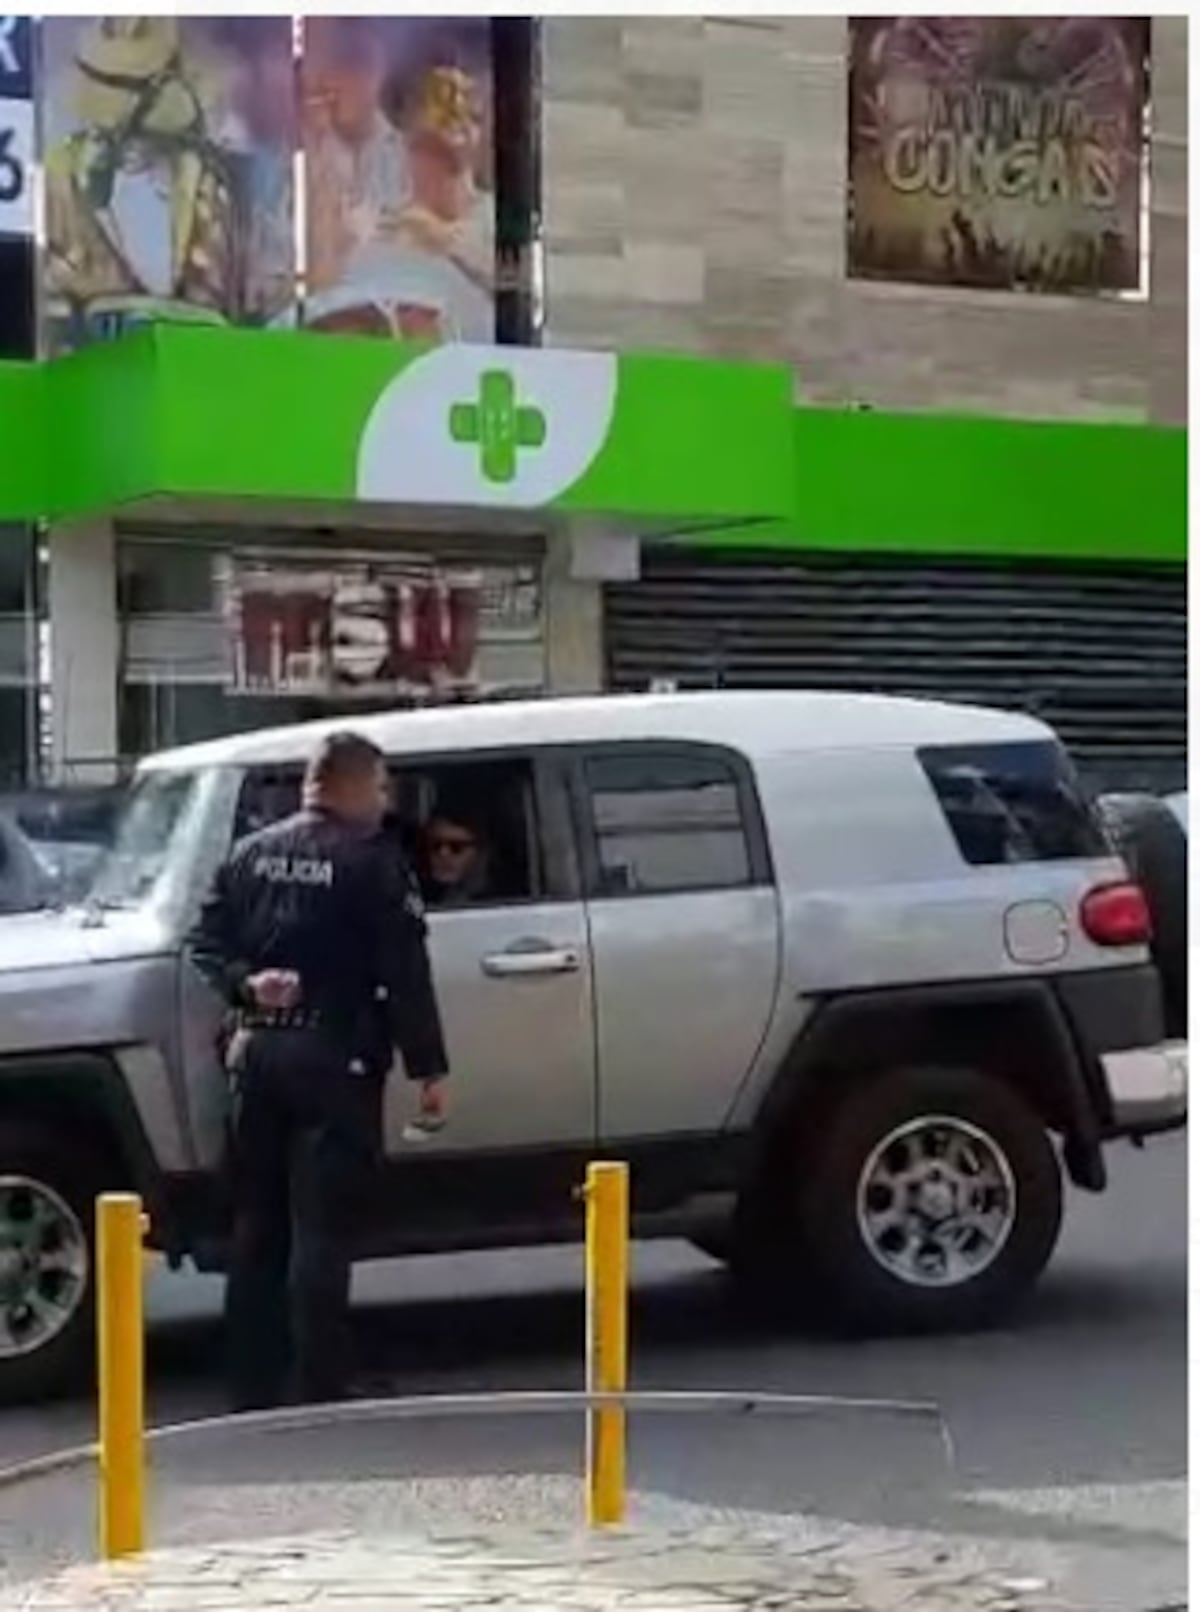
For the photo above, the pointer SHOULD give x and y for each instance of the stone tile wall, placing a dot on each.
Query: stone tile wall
(694, 182)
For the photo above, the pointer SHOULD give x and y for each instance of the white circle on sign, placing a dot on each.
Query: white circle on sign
(472, 425)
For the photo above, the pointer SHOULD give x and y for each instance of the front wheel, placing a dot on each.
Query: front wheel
(47, 1189)
(930, 1200)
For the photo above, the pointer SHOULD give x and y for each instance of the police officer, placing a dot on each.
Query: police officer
(314, 934)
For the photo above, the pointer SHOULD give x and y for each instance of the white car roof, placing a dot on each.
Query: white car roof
(757, 724)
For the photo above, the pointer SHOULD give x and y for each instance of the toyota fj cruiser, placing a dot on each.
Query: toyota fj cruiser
(851, 982)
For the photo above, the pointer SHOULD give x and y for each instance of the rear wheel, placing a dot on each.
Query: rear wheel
(927, 1200)
(47, 1192)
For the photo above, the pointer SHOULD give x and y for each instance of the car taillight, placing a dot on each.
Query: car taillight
(1116, 915)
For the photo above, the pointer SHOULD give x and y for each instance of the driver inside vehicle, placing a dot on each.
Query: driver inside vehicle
(456, 859)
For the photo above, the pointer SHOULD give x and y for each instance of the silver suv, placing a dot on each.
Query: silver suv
(851, 983)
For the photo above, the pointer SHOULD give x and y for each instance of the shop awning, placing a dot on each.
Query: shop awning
(199, 414)
(200, 424)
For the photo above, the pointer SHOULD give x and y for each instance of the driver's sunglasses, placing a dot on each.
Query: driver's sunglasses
(452, 844)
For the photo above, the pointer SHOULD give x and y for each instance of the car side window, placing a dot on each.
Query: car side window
(667, 820)
(1009, 803)
(471, 830)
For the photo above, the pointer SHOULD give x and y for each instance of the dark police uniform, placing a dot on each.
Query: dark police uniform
(336, 904)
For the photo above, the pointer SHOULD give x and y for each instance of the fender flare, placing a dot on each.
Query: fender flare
(819, 1054)
(88, 1083)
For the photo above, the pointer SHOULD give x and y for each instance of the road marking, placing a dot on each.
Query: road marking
(1153, 1507)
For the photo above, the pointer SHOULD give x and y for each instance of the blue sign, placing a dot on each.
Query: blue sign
(16, 59)
(16, 126)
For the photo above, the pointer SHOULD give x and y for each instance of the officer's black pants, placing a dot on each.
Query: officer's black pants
(305, 1140)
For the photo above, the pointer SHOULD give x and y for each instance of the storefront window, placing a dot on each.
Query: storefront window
(220, 637)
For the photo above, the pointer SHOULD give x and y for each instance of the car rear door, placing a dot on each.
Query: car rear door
(684, 923)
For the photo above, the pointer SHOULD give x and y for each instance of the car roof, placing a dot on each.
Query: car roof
(757, 724)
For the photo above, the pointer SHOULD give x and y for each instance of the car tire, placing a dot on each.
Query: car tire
(48, 1189)
(1155, 845)
(862, 1267)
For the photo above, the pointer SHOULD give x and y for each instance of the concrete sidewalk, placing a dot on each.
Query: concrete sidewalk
(642, 1570)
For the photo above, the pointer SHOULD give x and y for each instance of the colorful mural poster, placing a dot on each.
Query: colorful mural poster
(168, 148)
(397, 134)
(1004, 152)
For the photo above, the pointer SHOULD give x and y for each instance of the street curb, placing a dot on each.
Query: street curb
(550, 1403)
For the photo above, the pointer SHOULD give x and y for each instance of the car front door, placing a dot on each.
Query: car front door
(513, 976)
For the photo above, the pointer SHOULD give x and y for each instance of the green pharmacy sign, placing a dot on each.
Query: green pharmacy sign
(498, 424)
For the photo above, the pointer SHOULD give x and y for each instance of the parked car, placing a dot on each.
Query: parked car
(69, 828)
(1179, 805)
(27, 880)
(1151, 834)
(850, 982)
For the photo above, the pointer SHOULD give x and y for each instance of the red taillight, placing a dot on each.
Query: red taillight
(1116, 915)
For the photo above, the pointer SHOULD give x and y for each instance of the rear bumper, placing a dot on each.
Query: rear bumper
(1147, 1088)
(1116, 1021)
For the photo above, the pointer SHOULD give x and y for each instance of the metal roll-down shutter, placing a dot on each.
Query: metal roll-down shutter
(1097, 650)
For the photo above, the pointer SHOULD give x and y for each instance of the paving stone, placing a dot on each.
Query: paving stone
(639, 1569)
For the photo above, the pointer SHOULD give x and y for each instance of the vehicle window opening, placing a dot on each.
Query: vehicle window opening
(468, 829)
(667, 821)
(1012, 803)
(471, 832)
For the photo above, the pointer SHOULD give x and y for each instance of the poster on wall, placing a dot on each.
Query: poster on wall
(399, 191)
(1004, 152)
(393, 629)
(168, 154)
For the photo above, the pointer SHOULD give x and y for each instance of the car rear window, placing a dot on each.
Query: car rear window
(1013, 803)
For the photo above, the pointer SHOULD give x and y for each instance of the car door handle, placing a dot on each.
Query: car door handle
(524, 964)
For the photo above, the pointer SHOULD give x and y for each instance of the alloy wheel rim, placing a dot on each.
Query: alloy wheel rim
(44, 1264)
(936, 1202)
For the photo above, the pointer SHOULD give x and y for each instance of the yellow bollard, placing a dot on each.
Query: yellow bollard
(119, 1228)
(607, 1198)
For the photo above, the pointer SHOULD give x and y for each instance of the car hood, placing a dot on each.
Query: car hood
(38, 940)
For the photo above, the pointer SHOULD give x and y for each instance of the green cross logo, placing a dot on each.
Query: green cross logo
(498, 424)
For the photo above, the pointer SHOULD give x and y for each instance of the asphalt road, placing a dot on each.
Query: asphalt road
(1070, 1422)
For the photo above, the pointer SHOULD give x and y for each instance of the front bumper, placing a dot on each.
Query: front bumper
(1148, 1088)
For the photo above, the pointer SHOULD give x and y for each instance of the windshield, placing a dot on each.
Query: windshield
(148, 830)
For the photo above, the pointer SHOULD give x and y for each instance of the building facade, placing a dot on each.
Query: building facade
(696, 196)
(731, 462)
(695, 199)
